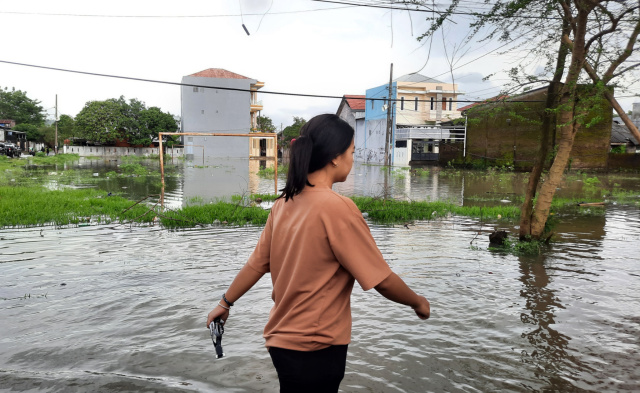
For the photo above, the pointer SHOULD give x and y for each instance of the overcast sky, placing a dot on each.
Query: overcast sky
(296, 46)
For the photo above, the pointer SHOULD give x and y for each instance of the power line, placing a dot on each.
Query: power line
(211, 87)
(171, 16)
(428, 10)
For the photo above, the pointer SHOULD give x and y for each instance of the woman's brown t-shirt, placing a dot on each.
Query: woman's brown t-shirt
(314, 245)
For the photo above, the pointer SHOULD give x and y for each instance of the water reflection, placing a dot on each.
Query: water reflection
(547, 346)
(550, 350)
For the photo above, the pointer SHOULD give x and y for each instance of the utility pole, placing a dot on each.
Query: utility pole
(55, 142)
(387, 141)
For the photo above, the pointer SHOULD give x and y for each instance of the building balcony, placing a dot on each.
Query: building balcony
(256, 106)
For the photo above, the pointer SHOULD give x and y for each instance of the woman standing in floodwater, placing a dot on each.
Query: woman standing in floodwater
(315, 247)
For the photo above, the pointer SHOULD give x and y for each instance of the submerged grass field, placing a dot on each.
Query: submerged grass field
(26, 206)
(27, 198)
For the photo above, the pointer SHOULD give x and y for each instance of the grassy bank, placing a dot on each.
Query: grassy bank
(33, 206)
(29, 206)
(391, 211)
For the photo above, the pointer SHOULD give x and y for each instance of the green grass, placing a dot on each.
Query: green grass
(30, 206)
(391, 211)
(222, 212)
(421, 172)
(270, 172)
(517, 247)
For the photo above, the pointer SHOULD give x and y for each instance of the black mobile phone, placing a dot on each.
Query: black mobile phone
(217, 329)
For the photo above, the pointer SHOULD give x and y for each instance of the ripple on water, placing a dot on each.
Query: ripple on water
(131, 312)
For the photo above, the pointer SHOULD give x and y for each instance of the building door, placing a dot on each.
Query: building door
(263, 147)
(422, 150)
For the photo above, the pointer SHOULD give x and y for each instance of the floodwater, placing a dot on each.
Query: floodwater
(118, 308)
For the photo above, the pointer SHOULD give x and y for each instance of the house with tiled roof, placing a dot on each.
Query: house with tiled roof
(351, 110)
(216, 100)
(418, 105)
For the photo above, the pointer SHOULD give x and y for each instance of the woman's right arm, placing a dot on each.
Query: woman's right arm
(395, 289)
(246, 278)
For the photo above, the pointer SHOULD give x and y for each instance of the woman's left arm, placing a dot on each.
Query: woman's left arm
(246, 278)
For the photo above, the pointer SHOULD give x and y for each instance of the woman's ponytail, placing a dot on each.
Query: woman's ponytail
(300, 158)
(322, 139)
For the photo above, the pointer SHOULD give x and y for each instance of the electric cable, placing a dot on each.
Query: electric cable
(210, 87)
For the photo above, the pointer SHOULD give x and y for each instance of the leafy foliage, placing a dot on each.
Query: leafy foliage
(33, 131)
(293, 131)
(110, 120)
(15, 105)
(265, 124)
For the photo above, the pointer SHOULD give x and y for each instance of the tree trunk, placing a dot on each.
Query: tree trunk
(568, 125)
(556, 172)
(625, 118)
(548, 127)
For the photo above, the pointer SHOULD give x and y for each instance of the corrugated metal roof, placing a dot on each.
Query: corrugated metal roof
(621, 134)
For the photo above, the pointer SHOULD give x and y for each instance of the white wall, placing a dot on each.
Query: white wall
(217, 111)
(113, 151)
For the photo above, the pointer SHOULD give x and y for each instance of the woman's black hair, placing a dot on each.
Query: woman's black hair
(322, 139)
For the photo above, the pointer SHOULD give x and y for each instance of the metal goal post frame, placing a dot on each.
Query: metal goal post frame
(254, 135)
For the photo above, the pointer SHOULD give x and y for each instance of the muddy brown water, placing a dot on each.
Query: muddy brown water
(114, 308)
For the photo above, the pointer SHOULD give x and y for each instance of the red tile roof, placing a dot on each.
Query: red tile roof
(219, 73)
(355, 102)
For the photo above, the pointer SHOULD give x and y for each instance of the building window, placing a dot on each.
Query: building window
(372, 103)
(195, 89)
(431, 103)
(450, 104)
(401, 103)
(202, 112)
(401, 144)
(416, 100)
(444, 104)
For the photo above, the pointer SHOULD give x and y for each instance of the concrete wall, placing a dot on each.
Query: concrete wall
(217, 111)
(623, 161)
(370, 146)
(114, 151)
(509, 134)
(450, 152)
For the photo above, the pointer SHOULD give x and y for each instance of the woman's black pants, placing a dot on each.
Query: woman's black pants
(310, 372)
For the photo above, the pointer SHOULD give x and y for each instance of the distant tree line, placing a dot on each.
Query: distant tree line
(107, 121)
(98, 122)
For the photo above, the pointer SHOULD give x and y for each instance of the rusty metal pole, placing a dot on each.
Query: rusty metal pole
(275, 150)
(161, 158)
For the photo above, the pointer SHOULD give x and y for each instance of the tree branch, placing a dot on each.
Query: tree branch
(628, 50)
(625, 70)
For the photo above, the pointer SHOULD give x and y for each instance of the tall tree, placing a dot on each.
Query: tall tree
(15, 105)
(66, 128)
(153, 121)
(265, 124)
(293, 131)
(119, 119)
(100, 121)
(604, 32)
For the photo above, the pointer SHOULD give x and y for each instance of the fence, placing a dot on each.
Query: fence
(115, 151)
